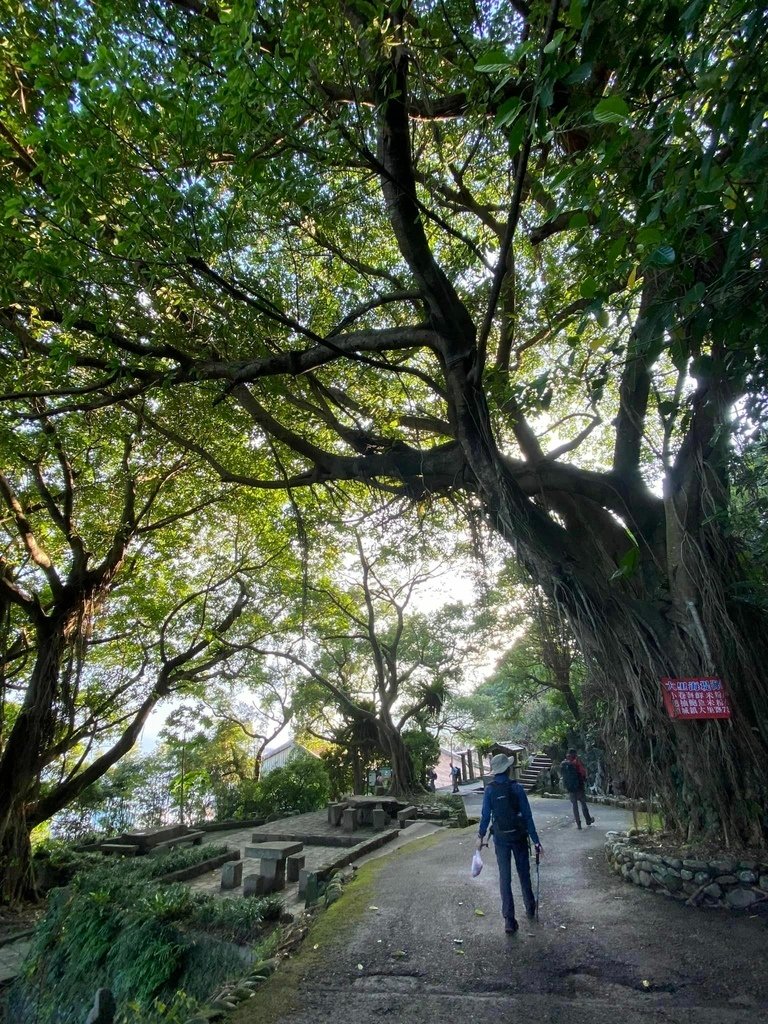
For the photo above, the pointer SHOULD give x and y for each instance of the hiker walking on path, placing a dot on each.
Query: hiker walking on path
(506, 803)
(455, 777)
(574, 775)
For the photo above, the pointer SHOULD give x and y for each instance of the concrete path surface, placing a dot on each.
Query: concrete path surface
(603, 951)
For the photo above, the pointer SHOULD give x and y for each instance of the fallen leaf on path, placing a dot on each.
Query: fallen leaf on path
(400, 953)
(562, 926)
(459, 942)
(459, 951)
(359, 967)
(480, 913)
(646, 983)
(373, 908)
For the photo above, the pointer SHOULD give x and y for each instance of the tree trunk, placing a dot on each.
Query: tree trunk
(403, 776)
(16, 876)
(671, 620)
(21, 764)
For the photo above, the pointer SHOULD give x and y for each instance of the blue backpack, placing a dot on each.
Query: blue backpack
(508, 822)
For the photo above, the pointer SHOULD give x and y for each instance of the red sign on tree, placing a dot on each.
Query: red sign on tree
(695, 698)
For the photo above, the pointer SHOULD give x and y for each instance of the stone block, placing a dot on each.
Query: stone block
(274, 851)
(672, 881)
(273, 873)
(726, 866)
(687, 876)
(294, 864)
(232, 874)
(380, 818)
(335, 812)
(104, 1008)
(739, 899)
(349, 820)
(764, 883)
(304, 876)
(404, 815)
(644, 879)
(726, 879)
(696, 865)
(747, 877)
(701, 877)
(713, 891)
(673, 862)
(253, 885)
(748, 865)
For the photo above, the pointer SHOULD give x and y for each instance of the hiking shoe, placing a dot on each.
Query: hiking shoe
(591, 821)
(578, 826)
(510, 927)
(530, 912)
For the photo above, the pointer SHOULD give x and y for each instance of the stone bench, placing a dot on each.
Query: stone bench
(120, 849)
(404, 815)
(272, 858)
(294, 865)
(190, 839)
(254, 885)
(349, 819)
(335, 812)
(232, 874)
(380, 819)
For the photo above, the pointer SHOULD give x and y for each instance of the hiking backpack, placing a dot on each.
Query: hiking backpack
(508, 821)
(570, 776)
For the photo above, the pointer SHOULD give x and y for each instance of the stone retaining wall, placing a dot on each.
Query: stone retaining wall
(201, 868)
(725, 881)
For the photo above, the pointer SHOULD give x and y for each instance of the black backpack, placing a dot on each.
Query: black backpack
(570, 776)
(508, 821)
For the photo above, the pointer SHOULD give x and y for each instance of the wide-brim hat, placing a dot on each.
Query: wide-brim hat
(500, 763)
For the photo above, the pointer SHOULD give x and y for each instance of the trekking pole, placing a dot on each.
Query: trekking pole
(538, 884)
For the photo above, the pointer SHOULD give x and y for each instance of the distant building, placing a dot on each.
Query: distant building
(281, 755)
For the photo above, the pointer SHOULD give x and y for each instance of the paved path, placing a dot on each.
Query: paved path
(603, 951)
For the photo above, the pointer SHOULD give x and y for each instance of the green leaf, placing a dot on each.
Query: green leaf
(507, 111)
(515, 135)
(648, 236)
(664, 256)
(554, 43)
(578, 220)
(588, 288)
(611, 110)
(494, 60)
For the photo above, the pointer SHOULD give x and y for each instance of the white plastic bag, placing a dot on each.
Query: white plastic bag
(477, 863)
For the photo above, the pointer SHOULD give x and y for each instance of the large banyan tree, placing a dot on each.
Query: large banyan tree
(505, 254)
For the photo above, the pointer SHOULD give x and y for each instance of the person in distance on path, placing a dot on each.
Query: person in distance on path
(506, 803)
(574, 776)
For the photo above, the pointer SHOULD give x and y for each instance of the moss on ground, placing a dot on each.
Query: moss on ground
(282, 993)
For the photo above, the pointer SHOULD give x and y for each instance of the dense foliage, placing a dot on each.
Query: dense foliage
(505, 259)
(160, 949)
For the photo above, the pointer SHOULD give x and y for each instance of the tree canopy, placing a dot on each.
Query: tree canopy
(510, 257)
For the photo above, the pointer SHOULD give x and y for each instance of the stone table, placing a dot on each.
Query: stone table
(273, 857)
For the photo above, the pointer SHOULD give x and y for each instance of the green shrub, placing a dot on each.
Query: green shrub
(301, 785)
(158, 947)
(236, 919)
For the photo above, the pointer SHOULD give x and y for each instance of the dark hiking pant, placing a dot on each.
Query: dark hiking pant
(578, 796)
(504, 854)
